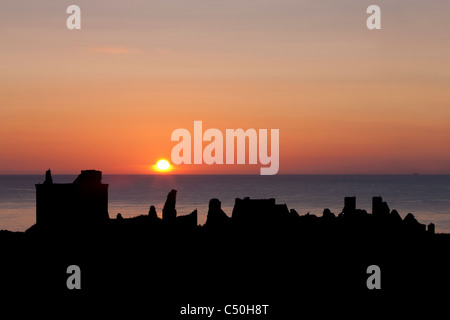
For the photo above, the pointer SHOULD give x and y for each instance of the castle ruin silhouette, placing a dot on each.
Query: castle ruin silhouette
(83, 202)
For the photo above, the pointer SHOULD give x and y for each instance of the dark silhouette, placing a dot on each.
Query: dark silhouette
(431, 228)
(263, 254)
(379, 207)
(48, 177)
(83, 203)
(187, 222)
(169, 212)
(349, 205)
(258, 213)
(152, 212)
(217, 218)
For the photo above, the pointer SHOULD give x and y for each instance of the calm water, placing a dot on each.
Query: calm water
(427, 197)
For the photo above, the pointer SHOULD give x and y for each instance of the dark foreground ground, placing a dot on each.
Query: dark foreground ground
(140, 269)
(262, 262)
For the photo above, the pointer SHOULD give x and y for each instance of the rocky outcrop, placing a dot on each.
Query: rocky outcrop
(152, 212)
(216, 218)
(169, 212)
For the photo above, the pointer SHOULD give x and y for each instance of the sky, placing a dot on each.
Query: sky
(347, 100)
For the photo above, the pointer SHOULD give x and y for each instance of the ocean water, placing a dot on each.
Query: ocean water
(426, 196)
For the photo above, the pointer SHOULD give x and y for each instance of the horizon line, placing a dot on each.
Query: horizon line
(239, 174)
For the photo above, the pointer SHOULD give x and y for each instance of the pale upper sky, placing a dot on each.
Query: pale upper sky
(108, 96)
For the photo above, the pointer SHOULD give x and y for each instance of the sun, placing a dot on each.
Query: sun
(162, 166)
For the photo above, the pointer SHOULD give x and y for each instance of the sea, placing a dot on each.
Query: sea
(426, 196)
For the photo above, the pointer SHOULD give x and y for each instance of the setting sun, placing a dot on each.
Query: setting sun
(163, 165)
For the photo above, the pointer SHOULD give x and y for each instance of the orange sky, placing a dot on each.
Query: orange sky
(346, 99)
